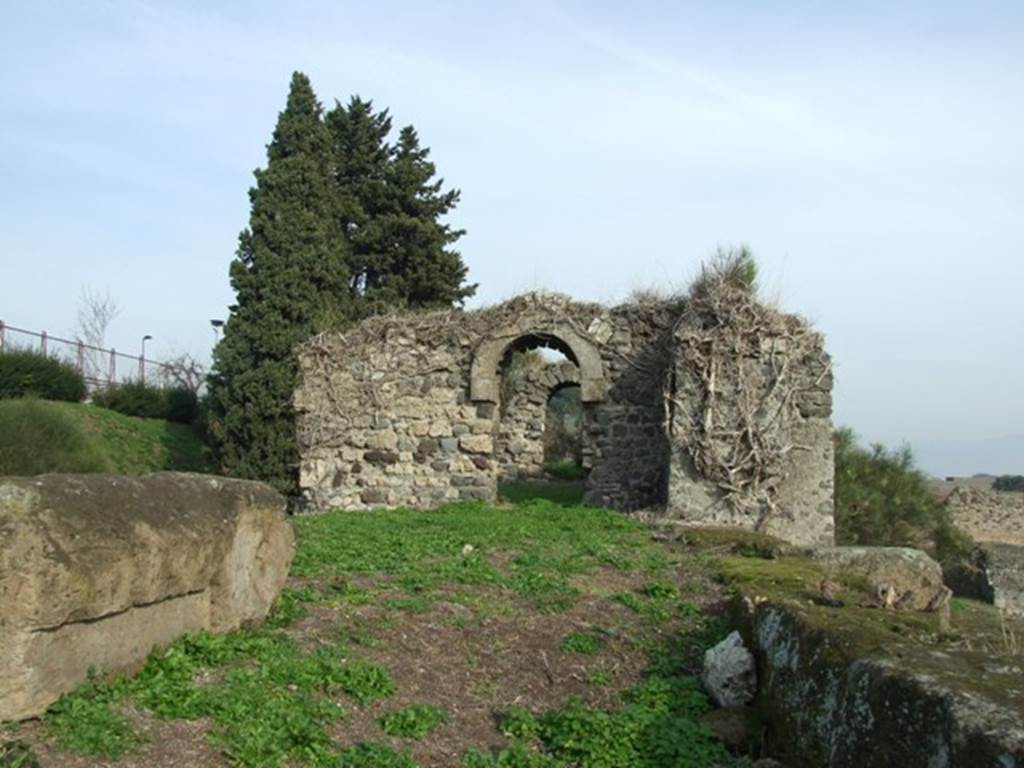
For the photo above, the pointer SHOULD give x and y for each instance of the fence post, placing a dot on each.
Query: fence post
(42, 342)
(112, 368)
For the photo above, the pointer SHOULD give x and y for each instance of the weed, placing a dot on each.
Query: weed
(365, 681)
(599, 677)
(87, 720)
(13, 754)
(586, 643)
(369, 755)
(412, 722)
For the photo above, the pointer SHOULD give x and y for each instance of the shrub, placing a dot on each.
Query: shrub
(882, 499)
(23, 372)
(182, 405)
(1008, 483)
(133, 398)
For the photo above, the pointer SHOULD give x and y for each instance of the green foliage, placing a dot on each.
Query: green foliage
(365, 682)
(391, 209)
(291, 280)
(14, 754)
(656, 728)
(182, 405)
(133, 398)
(732, 267)
(1008, 483)
(586, 643)
(39, 436)
(26, 373)
(882, 499)
(368, 755)
(87, 720)
(412, 722)
(563, 424)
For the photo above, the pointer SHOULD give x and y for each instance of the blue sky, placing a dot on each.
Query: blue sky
(870, 153)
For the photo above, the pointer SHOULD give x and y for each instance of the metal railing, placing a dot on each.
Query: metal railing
(98, 365)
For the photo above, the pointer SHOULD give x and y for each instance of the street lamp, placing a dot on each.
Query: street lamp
(142, 359)
(217, 325)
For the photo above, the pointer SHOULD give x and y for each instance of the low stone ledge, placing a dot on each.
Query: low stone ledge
(96, 570)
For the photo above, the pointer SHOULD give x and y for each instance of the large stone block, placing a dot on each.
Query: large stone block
(96, 570)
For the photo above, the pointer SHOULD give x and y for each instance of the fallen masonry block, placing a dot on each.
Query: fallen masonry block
(97, 570)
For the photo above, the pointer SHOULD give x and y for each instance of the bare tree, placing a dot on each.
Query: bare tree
(95, 314)
(184, 371)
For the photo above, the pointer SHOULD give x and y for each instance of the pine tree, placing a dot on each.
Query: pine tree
(399, 252)
(291, 280)
(362, 156)
(422, 270)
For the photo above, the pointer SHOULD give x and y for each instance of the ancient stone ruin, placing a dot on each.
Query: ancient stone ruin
(714, 409)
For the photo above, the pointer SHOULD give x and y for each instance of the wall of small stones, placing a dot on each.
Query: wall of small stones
(519, 447)
(386, 418)
(405, 410)
(988, 515)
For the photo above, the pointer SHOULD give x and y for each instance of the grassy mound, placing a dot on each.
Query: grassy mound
(39, 436)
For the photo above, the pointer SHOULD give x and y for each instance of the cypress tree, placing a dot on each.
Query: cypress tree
(399, 253)
(291, 280)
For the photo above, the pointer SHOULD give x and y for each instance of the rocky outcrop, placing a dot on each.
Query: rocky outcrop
(97, 570)
(846, 683)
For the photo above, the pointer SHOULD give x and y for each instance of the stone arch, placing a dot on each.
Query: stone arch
(485, 376)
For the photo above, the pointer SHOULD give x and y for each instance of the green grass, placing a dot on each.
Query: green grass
(271, 694)
(39, 436)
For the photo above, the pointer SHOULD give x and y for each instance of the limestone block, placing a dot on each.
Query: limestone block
(476, 443)
(729, 675)
(96, 570)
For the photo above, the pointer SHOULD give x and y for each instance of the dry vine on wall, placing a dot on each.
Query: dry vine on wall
(739, 355)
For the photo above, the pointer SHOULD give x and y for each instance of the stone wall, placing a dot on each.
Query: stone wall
(405, 410)
(796, 499)
(97, 570)
(519, 447)
(988, 515)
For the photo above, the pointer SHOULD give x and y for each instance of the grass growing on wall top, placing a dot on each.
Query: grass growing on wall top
(38, 436)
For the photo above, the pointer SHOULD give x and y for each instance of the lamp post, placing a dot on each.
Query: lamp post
(142, 359)
(217, 325)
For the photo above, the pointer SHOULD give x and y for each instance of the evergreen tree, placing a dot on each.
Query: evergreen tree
(362, 157)
(399, 252)
(291, 280)
(422, 270)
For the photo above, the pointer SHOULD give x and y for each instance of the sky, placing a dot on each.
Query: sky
(871, 154)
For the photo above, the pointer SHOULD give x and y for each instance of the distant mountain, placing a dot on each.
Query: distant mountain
(963, 458)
